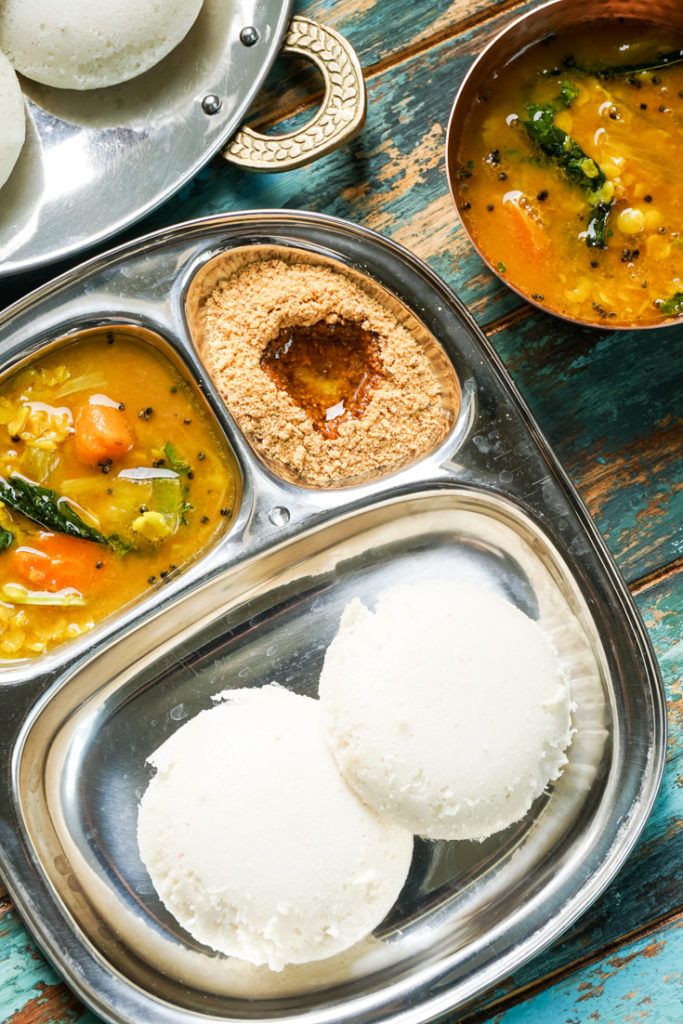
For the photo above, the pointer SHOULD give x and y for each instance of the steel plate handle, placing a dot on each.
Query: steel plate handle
(340, 117)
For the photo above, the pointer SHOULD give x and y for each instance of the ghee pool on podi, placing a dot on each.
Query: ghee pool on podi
(112, 478)
(329, 378)
(566, 173)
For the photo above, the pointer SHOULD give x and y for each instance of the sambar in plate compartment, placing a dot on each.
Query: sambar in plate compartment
(112, 479)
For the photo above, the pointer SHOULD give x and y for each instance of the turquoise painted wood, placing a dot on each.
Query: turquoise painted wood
(365, 24)
(29, 988)
(610, 404)
(629, 987)
(614, 419)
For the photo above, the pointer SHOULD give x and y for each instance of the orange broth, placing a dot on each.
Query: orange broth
(530, 220)
(111, 427)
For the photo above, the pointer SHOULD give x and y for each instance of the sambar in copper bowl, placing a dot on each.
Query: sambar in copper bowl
(562, 155)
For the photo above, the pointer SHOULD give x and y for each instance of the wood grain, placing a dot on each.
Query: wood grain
(628, 986)
(31, 992)
(610, 405)
(413, 28)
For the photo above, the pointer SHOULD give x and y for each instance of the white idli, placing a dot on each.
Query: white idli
(446, 708)
(12, 119)
(74, 45)
(255, 843)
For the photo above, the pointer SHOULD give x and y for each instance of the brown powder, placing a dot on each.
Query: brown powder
(404, 417)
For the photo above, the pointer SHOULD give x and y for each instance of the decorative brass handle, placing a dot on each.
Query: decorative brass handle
(340, 117)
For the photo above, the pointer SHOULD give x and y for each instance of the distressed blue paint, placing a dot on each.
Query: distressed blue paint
(366, 29)
(612, 400)
(643, 982)
(25, 976)
(604, 400)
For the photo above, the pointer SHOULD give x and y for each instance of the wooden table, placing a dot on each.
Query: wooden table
(611, 405)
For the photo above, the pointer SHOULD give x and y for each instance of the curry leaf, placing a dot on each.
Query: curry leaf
(672, 306)
(46, 508)
(575, 164)
(568, 93)
(175, 459)
(664, 60)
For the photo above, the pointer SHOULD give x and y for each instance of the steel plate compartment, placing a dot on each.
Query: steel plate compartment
(489, 505)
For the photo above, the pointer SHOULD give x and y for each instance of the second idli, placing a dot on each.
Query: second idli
(254, 841)
(446, 708)
(72, 45)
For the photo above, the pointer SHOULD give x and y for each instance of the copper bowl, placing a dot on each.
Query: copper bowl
(530, 28)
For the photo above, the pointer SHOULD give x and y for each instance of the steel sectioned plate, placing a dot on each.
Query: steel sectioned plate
(490, 505)
(96, 161)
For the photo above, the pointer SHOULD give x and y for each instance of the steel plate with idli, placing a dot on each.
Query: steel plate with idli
(125, 103)
(112, 745)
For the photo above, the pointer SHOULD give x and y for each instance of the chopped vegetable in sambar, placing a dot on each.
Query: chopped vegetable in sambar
(112, 478)
(567, 173)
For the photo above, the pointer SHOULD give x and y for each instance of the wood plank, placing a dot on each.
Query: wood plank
(635, 984)
(610, 405)
(31, 992)
(413, 25)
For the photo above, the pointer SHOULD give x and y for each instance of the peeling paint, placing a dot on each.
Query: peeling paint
(605, 402)
(592, 993)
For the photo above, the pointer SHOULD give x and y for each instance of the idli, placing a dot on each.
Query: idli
(446, 708)
(75, 45)
(255, 843)
(12, 119)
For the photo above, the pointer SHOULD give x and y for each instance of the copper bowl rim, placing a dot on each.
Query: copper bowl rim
(652, 11)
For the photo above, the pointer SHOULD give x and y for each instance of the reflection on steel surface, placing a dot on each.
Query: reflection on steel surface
(489, 505)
